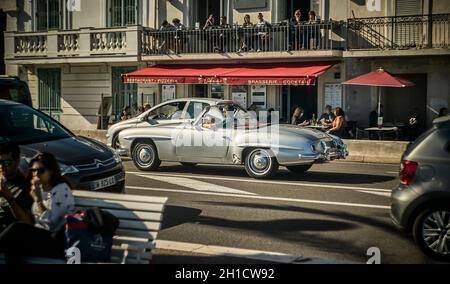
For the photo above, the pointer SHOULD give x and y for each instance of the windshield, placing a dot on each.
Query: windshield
(14, 91)
(24, 125)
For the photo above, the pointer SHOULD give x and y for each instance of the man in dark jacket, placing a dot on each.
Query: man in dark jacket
(15, 200)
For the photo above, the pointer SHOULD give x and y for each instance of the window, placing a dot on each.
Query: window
(217, 92)
(24, 125)
(122, 12)
(195, 109)
(49, 93)
(48, 14)
(168, 111)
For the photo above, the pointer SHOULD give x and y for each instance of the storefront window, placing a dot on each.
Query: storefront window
(217, 92)
(201, 91)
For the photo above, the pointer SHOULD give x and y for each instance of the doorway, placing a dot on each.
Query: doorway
(302, 96)
(292, 5)
(207, 7)
(410, 99)
(123, 94)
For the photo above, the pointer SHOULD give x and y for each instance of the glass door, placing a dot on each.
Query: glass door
(123, 94)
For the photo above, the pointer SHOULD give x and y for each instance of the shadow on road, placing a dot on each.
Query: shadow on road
(177, 215)
(284, 175)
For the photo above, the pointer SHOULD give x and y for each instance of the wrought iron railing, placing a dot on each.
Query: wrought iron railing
(406, 32)
(236, 39)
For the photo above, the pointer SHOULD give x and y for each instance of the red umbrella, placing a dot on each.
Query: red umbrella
(379, 78)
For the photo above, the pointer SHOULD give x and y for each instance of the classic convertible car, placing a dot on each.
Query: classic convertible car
(225, 133)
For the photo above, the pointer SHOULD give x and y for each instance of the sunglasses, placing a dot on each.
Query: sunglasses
(6, 163)
(38, 170)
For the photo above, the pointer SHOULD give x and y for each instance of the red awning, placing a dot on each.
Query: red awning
(231, 74)
(379, 78)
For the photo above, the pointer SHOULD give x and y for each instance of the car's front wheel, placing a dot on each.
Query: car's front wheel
(432, 232)
(299, 169)
(145, 156)
(261, 163)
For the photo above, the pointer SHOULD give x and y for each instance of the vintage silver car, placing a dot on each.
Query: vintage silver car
(225, 133)
(172, 111)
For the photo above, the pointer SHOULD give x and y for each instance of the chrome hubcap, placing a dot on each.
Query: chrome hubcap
(260, 161)
(145, 155)
(436, 232)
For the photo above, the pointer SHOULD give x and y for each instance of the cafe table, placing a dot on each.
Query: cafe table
(380, 131)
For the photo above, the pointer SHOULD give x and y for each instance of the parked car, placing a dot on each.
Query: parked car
(173, 111)
(87, 164)
(248, 143)
(421, 202)
(14, 89)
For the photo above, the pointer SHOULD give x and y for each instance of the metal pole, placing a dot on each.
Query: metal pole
(101, 112)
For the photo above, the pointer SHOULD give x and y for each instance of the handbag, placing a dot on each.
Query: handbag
(91, 231)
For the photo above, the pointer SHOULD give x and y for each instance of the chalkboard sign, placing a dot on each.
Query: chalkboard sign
(250, 4)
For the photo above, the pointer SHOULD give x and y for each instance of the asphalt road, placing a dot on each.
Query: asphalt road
(335, 211)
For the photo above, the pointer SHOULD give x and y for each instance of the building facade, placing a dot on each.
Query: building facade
(72, 53)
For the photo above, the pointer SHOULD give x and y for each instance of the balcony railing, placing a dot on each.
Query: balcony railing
(407, 32)
(236, 39)
(85, 42)
(412, 32)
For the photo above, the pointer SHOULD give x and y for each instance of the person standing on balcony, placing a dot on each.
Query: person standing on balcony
(179, 38)
(224, 35)
(312, 31)
(166, 37)
(263, 34)
(295, 31)
(246, 34)
(211, 35)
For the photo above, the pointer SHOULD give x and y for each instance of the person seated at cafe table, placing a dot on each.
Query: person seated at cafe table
(327, 117)
(339, 123)
(299, 118)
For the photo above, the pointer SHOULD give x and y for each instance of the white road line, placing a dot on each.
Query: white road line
(238, 252)
(394, 173)
(265, 181)
(196, 184)
(273, 198)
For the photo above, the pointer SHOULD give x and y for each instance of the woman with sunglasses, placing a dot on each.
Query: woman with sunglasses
(52, 201)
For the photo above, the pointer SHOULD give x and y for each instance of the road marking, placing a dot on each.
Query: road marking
(239, 253)
(266, 181)
(196, 184)
(384, 194)
(394, 173)
(272, 198)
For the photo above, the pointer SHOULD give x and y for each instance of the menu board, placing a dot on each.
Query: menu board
(259, 96)
(168, 93)
(333, 95)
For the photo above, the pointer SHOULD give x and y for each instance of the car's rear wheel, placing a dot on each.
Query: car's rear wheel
(299, 169)
(115, 142)
(145, 156)
(432, 232)
(261, 163)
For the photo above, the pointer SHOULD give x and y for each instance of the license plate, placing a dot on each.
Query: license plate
(102, 183)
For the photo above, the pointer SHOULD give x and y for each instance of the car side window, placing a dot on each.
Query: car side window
(213, 119)
(168, 111)
(195, 109)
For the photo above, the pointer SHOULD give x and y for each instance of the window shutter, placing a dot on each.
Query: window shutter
(409, 7)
